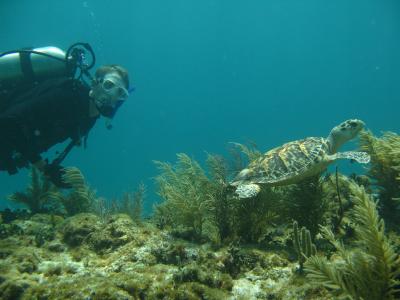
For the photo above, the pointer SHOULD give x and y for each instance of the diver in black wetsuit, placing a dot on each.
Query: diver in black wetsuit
(53, 111)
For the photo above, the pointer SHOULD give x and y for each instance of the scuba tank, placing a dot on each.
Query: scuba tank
(23, 65)
(22, 69)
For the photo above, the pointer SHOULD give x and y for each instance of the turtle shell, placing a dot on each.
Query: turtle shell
(289, 162)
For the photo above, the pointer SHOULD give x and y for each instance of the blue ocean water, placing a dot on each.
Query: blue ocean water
(211, 72)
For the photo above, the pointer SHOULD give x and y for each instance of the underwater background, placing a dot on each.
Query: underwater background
(212, 72)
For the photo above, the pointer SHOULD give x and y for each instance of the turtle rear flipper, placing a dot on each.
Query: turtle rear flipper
(249, 190)
(360, 157)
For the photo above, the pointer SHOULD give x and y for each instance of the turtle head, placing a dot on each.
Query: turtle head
(344, 132)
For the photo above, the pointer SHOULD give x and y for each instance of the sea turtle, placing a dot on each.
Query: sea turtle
(297, 160)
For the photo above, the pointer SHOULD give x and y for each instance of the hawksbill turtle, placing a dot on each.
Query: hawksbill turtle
(297, 160)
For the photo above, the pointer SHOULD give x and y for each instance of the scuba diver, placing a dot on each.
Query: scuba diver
(45, 99)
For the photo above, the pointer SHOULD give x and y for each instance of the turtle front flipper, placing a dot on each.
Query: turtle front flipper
(360, 157)
(249, 190)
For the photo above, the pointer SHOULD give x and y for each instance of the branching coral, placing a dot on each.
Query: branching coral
(43, 196)
(137, 203)
(371, 270)
(202, 202)
(81, 198)
(255, 216)
(337, 196)
(306, 202)
(224, 206)
(130, 204)
(188, 195)
(251, 218)
(302, 244)
(251, 152)
(385, 169)
(384, 151)
(38, 193)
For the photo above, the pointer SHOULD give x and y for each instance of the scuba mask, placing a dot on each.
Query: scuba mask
(109, 94)
(114, 88)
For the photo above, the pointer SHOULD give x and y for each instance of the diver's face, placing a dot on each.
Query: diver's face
(109, 90)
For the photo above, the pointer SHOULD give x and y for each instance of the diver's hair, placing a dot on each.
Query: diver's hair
(103, 70)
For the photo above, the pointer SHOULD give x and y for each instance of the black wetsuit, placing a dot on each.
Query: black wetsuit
(47, 114)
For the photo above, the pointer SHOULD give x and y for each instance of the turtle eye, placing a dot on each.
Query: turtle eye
(353, 124)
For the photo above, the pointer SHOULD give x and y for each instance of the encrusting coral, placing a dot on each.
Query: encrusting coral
(86, 258)
(368, 271)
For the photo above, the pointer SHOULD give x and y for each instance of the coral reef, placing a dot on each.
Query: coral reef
(385, 171)
(306, 202)
(85, 258)
(203, 242)
(38, 195)
(131, 204)
(42, 196)
(371, 269)
(80, 198)
(255, 216)
(188, 194)
(77, 229)
(199, 205)
(224, 207)
(302, 244)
